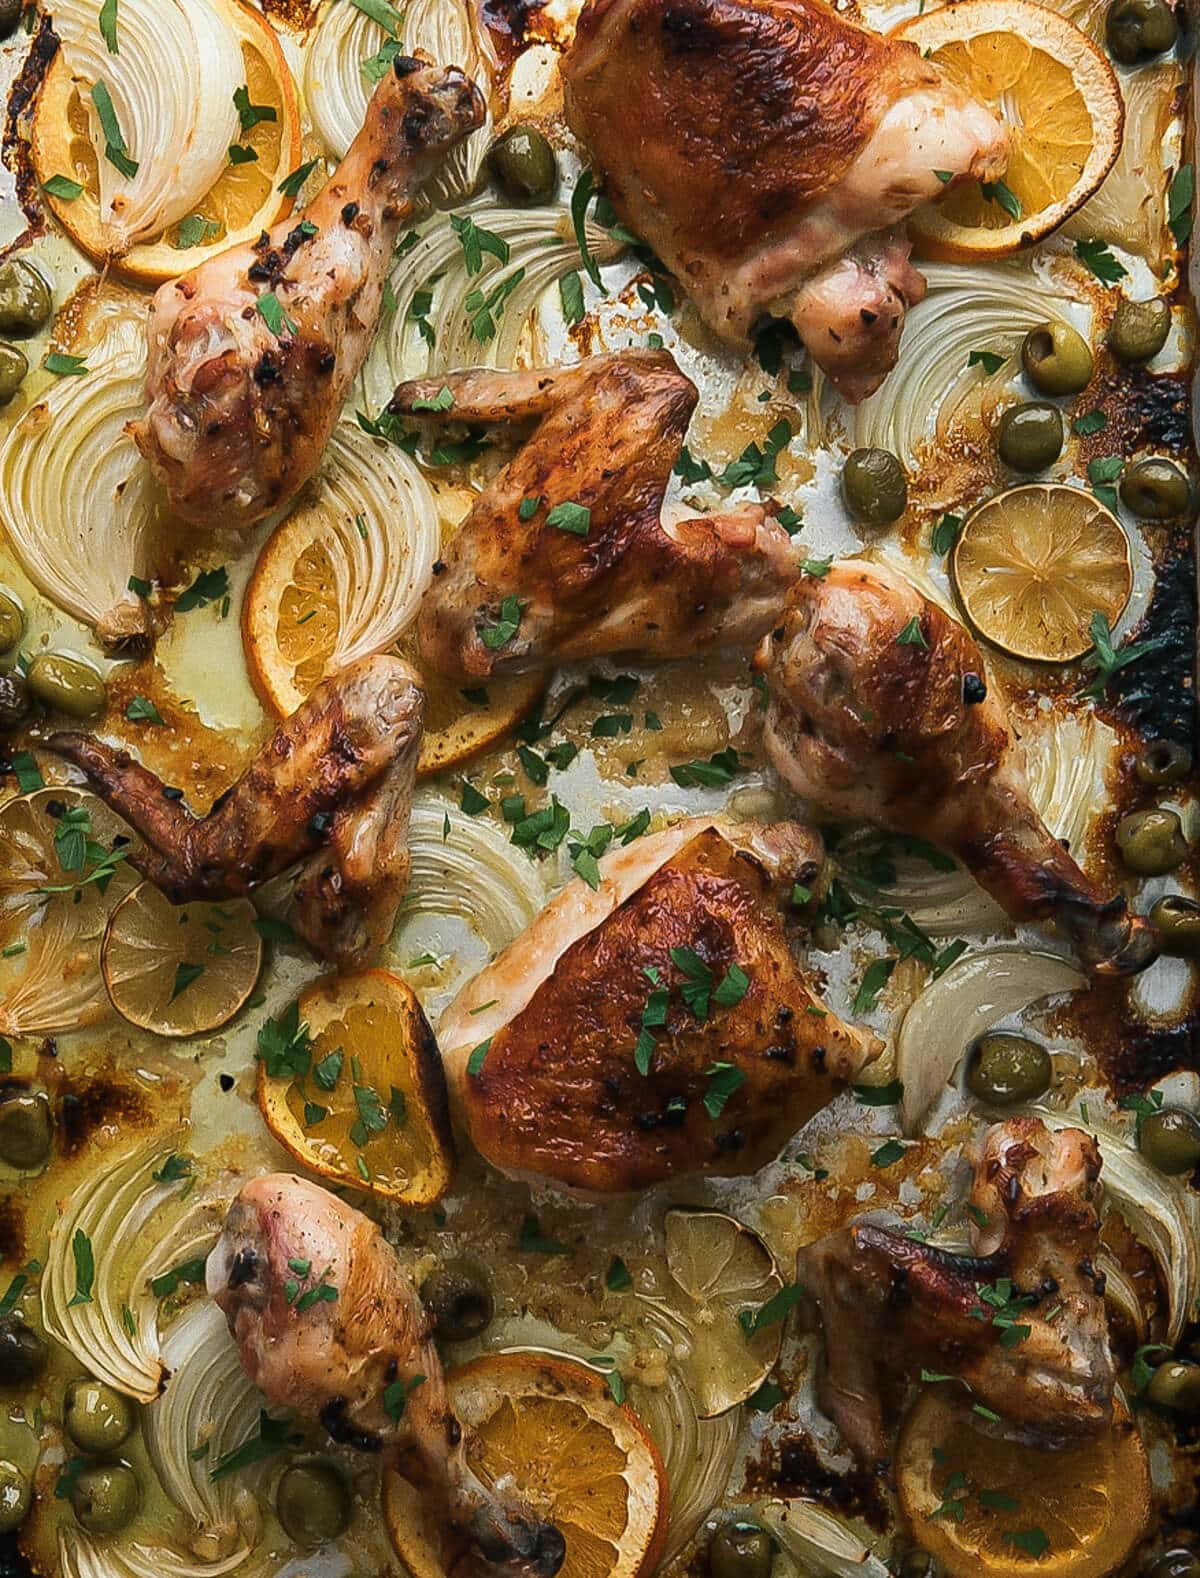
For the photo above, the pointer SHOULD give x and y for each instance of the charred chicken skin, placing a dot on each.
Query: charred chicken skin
(253, 353)
(347, 1358)
(594, 568)
(657, 1026)
(1021, 1319)
(329, 794)
(880, 711)
(774, 149)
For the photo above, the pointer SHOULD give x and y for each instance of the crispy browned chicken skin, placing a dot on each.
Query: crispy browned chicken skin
(1021, 1321)
(880, 711)
(558, 1093)
(608, 433)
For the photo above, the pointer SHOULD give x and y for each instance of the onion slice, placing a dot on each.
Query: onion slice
(817, 1542)
(171, 80)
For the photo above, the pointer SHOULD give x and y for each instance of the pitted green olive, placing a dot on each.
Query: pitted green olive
(14, 701)
(524, 165)
(22, 1352)
(1139, 329)
(1163, 762)
(740, 1550)
(26, 1129)
(14, 365)
(1170, 1140)
(1056, 359)
(66, 684)
(96, 1418)
(1030, 436)
(1004, 1068)
(1155, 489)
(1176, 1563)
(1175, 1385)
(25, 302)
(313, 1503)
(15, 1496)
(10, 15)
(1137, 30)
(459, 1299)
(12, 622)
(1178, 922)
(874, 487)
(105, 1497)
(1151, 843)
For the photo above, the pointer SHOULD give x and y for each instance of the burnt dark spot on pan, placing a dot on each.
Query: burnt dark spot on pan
(12, 1230)
(794, 1468)
(1157, 695)
(90, 1106)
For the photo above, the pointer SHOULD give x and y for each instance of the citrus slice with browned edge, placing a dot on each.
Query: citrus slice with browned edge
(243, 202)
(1058, 95)
(179, 969)
(991, 1507)
(1032, 566)
(546, 1431)
(363, 1100)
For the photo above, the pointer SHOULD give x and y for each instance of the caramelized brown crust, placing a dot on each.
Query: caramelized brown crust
(559, 1092)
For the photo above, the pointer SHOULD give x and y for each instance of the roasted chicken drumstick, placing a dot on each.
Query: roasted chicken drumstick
(880, 711)
(571, 531)
(253, 353)
(767, 152)
(360, 1358)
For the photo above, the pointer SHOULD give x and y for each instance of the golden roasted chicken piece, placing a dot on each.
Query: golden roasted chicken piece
(253, 353)
(657, 1026)
(880, 711)
(1020, 1320)
(329, 793)
(768, 153)
(565, 554)
(359, 1357)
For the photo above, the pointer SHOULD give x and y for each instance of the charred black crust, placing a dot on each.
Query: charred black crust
(339, 1429)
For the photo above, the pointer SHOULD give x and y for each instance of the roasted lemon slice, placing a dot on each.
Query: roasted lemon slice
(370, 1108)
(179, 969)
(1075, 1513)
(1058, 96)
(548, 1430)
(1031, 567)
(243, 202)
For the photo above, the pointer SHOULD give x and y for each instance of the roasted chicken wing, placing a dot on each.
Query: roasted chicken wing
(766, 151)
(329, 793)
(253, 353)
(359, 1357)
(1021, 1320)
(565, 554)
(880, 710)
(657, 1026)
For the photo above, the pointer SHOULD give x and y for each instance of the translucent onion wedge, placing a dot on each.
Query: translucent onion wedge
(817, 1543)
(969, 307)
(1160, 1211)
(337, 88)
(81, 508)
(80, 1556)
(975, 993)
(114, 1333)
(171, 80)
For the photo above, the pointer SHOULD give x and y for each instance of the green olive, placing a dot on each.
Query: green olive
(1178, 922)
(1139, 329)
(105, 1497)
(313, 1503)
(740, 1550)
(26, 1129)
(1155, 489)
(15, 1496)
(1176, 1563)
(66, 684)
(25, 303)
(459, 1299)
(96, 1417)
(1136, 30)
(10, 15)
(12, 622)
(1163, 762)
(1056, 359)
(1176, 1385)
(1151, 843)
(524, 165)
(22, 1352)
(13, 367)
(1170, 1140)
(1030, 436)
(874, 487)
(1003, 1068)
(14, 701)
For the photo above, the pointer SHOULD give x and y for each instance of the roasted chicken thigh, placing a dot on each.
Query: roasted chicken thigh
(767, 152)
(880, 711)
(657, 1026)
(565, 554)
